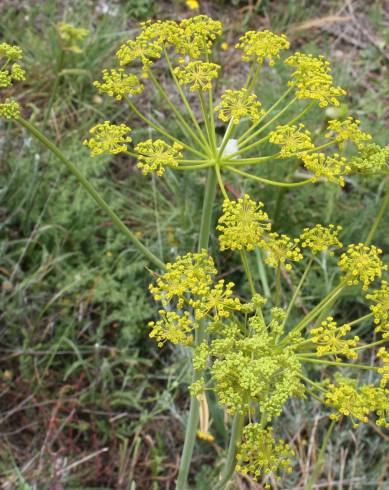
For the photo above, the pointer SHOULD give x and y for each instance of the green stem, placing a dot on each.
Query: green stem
(269, 182)
(193, 417)
(206, 120)
(229, 160)
(378, 219)
(262, 273)
(334, 363)
(194, 167)
(92, 192)
(247, 270)
(229, 466)
(60, 65)
(220, 181)
(277, 300)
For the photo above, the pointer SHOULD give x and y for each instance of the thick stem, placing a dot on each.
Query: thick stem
(229, 466)
(193, 417)
(378, 219)
(92, 192)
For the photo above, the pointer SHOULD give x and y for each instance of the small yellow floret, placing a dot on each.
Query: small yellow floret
(236, 104)
(261, 45)
(329, 338)
(118, 84)
(347, 130)
(71, 36)
(156, 155)
(173, 328)
(380, 308)
(280, 249)
(321, 238)
(292, 138)
(361, 264)
(242, 224)
(193, 4)
(197, 74)
(333, 168)
(383, 355)
(108, 138)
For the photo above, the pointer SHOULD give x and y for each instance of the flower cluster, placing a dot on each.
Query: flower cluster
(292, 139)
(173, 328)
(108, 138)
(196, 36)
(116, 83)
(261, 45)
(238, 104)
(156, 155)
(333, 168)
(218, 301)
(71, 37)
(321, 238)
(197, 74)
(312, 79)
(329, 339)
(280, 250)
(361, 264)
(347, 130)
(10, 72)
(371, 159)
(260, 454)
(380, 308)
(242, 224)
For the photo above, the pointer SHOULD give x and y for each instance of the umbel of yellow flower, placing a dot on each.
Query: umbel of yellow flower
(196, 36)
(71, 37)
(261, 45)
(371, 159)
(260, 454)
(333, 168)
(242, 224)
(361, 264)
(117, 84)
(108, 138)
(292, 138)
(321, 238)
(329, 338)
(347, 130)
(142, 49)
(10, 72)
(380, 308)
(236, 104)
(312, 79)
(156, 155)
(383, 355)
(280, 249)
(172, 328)
(197, 74)
(217, 301)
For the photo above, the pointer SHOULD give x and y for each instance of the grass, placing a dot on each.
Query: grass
(87, 400)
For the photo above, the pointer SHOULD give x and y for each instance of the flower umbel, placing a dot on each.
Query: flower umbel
(156, 155)
(173, 328)
(347, 130)
(10, 72)
(108, 138)
(292, 139)
(333, 168)
(116, 83)
(71, 37)
(321, 238)
(197, 74)
(329, 338)
(261, 45)
(237, 104)
(361, 264)
(280, 250)
(380, 308)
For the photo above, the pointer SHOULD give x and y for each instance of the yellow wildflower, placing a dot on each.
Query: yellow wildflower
(71, 36)
(217, 301)
(10, 72)
(361, 263)
(281, 248)
(155, 155)
(347, 130)
(259, 45)
(329, 338)
(193, 4)
(236, 104)
(196, 36)
(320, 238)
(197, 74)
(118, 84)
(378, 399)
(11, 52)
(108, 138)
(371, 159)
(190, 274)
(260, 454)
(292, 138)
(380, 308)
(9, 109)
(312, 79)
(333, 168)
(383, 355)
(224, 46)
(205, 436)
(142, 49)
(173, 328)
(200, 356)
(242, 224)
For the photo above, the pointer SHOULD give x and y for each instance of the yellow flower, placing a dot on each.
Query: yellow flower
(108, 138)
(383, 355)
(312, 79)
(329, 338)
(10, 72)
(333, 168)
(292, 138)
(142, 49)
(71, 36)
(259, 45)
(361, 264)
(217, 301)
(224, 46)
(371, 159)
(11, 52)
(193, 4)
(190, 274)
(380, 309)
(242, 224)
(155, 155)
(9, 109)
(196, 36)
(260, 454)
(236, 104)
(280, 249)
(347, 130)
(173, 328)
(118, 84)
(197, 74)
(320, 238)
